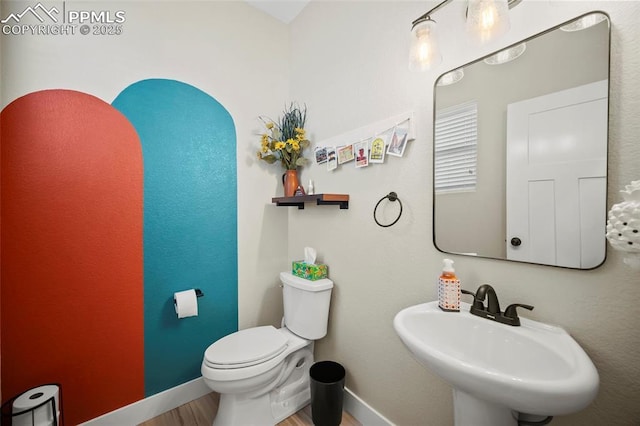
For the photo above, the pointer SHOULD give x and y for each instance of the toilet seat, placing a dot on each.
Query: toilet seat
(246, 348)
(234, 370)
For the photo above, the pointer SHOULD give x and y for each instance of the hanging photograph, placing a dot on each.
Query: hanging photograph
(332, 158)
(321, 155)
(345, 154)
(376, 155)
(398, 141)
(362, 153)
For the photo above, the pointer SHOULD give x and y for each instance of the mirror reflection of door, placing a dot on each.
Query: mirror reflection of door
(556, 177)
(473, 220)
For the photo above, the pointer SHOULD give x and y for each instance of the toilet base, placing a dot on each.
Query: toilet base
(258, 411)
(271, 407)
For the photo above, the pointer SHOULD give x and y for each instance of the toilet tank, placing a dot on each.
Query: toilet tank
(306, 305)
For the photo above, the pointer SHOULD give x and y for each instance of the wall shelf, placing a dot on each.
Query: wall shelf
(341, 200)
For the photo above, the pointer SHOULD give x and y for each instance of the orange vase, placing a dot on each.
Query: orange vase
(291, 182)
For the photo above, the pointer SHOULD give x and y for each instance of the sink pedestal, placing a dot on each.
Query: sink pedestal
(471, 411)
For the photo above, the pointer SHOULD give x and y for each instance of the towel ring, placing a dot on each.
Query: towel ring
(392, 196)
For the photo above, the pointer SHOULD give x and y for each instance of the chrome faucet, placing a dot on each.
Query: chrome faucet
(492, 309)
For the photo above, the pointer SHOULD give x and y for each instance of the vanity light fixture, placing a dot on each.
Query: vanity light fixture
(486, 19)
(506, 55)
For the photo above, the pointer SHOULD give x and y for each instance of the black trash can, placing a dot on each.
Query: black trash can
(327, 393)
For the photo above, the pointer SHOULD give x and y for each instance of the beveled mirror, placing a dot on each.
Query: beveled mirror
(520, 155)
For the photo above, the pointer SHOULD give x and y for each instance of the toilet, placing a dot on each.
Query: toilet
(262, 373)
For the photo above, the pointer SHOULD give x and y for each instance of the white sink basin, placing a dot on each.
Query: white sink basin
(534, 368)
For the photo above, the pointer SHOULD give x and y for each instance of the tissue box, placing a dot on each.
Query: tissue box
(309, 271)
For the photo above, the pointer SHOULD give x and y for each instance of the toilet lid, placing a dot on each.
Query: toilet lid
(246, 347)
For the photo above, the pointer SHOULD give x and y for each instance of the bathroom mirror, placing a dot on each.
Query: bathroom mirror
(520, 155)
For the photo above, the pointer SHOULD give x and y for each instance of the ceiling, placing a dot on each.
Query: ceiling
(284, 10)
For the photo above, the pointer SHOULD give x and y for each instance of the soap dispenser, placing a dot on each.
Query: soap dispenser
(448, 288)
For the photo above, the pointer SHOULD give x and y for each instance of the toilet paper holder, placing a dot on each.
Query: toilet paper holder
(16, 411)
(199, 292)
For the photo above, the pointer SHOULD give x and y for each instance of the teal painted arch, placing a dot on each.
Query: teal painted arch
(190, 223)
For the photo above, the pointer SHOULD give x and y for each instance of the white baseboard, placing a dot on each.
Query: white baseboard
(148, 408)
(363, 412)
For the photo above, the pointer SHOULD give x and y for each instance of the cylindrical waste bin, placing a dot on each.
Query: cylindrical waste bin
(327, 393)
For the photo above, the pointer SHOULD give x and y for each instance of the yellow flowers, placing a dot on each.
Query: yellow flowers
(264, 144)
(285, 139)
(292, 144)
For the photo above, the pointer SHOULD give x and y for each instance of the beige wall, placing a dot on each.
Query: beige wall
(349, 64)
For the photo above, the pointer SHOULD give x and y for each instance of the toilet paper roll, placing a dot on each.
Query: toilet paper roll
(41, 416)
(186, 303)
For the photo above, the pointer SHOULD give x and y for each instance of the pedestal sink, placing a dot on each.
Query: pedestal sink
(499, 371)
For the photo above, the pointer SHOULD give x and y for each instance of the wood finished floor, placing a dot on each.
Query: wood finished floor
(201, 412)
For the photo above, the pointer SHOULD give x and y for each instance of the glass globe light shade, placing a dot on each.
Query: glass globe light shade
(487, 19)
(424, 53)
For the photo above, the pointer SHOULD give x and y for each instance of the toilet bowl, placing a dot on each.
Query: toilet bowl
(262, 373)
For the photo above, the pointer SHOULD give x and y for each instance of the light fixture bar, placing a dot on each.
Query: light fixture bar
(426, 16)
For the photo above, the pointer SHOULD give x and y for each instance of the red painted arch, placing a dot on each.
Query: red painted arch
(71, 246)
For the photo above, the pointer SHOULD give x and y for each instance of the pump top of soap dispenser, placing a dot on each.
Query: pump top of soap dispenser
(447, 269)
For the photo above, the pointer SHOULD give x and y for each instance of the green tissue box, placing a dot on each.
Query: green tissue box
(309, 271)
